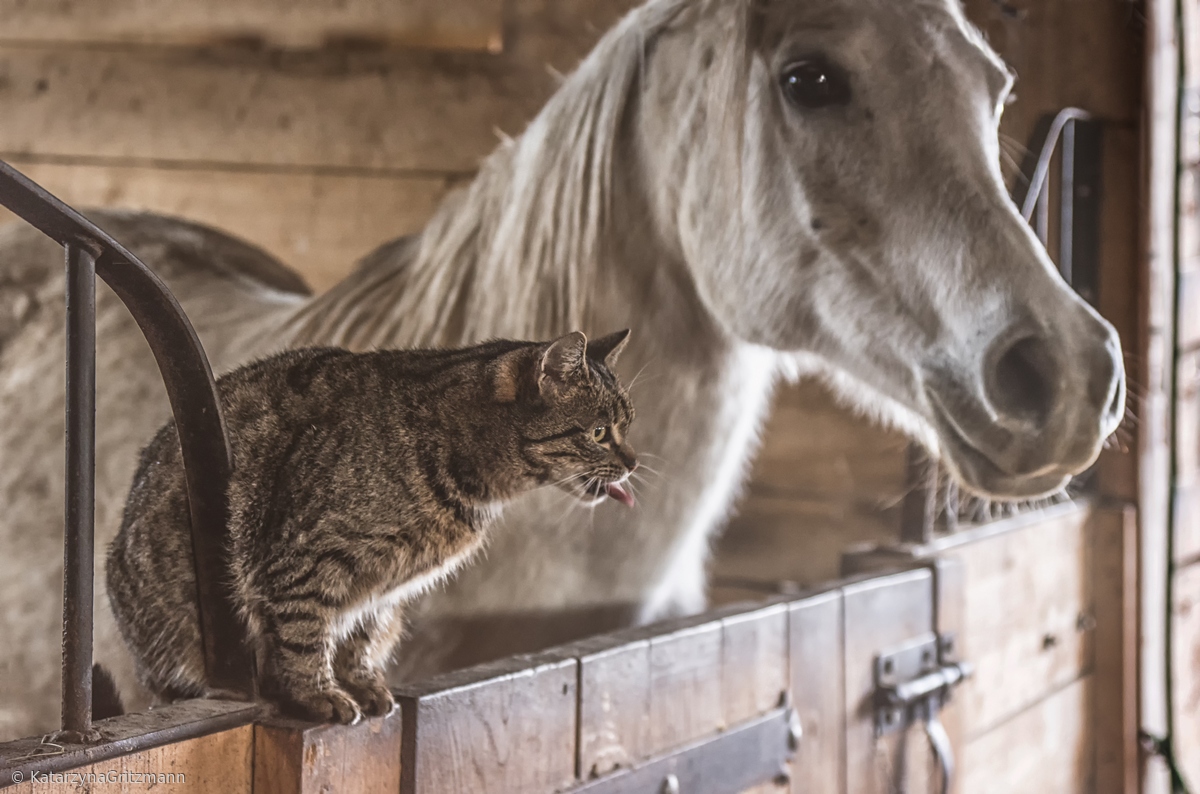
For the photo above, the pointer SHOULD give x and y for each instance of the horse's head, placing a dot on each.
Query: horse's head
(851, 206)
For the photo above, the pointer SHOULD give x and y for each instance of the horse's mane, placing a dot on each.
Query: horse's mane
(517, 251)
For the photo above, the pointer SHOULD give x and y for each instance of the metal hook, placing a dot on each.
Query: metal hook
(939, 741)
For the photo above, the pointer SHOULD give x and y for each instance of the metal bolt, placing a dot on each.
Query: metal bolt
(670, 785)
(795, 731)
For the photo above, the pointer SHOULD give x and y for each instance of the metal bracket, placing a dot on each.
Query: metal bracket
(913, 682)
(744, 756)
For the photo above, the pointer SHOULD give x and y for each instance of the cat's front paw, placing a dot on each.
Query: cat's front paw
(374, 698)
(331, 705)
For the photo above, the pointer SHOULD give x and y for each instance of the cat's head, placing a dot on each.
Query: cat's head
(578, 416)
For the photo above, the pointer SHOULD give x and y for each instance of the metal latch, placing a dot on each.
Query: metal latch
(913, 683)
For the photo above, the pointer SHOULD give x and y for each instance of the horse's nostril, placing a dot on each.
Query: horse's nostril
(1021, 384)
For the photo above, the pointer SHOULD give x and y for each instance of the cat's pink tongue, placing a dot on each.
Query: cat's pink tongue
(616, 491)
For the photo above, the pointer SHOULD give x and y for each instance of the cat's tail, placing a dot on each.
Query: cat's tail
(106, 699)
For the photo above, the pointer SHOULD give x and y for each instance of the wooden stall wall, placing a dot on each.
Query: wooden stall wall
(1185, 604)
(319, 154)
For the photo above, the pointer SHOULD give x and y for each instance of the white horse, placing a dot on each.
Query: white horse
(751, 185)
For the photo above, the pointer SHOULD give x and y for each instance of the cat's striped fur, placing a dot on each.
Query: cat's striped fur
(359, 481)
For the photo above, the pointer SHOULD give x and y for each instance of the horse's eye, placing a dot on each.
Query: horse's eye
(600, 434)
(815, 83)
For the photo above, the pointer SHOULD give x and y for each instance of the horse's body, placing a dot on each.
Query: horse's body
(688, 181)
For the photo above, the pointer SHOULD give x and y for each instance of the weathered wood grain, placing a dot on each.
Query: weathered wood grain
(362, 110)
(1048, 747)
(1027, 610)
(815, 631)
(1153, 359)
(501, 728)
(1115, 597)
(1187, 419)
(686, 701)
(1185, 646)
(318, 224)
(754, 662)
(1187, 523)
(614, 704)
(300, 758)
(217, 762)
(881, 613)
(467, 24)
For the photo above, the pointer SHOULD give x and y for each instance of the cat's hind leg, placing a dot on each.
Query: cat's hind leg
(362, 658)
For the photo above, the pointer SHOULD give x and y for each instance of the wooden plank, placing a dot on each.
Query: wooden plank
(217, 762)
(1189, 305)
(686, 700)
(1185, 645)
(359, 110)
(880, 614)
(1028, 598)
(293, 757)
(1048, 747)
(319, 224)
(501, 728)
(815, 626)
(754, 662)
(1115, 720)
(614, 704)
(467, 24)
(1187, 524)
(1187, 419)
(1154, 357)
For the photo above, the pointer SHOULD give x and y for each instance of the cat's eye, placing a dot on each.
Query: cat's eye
(600, 434)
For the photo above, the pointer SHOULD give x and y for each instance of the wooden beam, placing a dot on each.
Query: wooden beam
(815, 629)
(352, 112)
(879, 614)
(1115, 599)
(292, 757)
(502, 728)
(454, 24)
(318, 224)
(1154, 356)
(1185, 647)
(220, 761)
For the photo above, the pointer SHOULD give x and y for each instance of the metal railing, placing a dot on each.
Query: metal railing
(932, 500)
(191, 389)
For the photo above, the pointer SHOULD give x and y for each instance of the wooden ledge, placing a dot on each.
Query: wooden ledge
(123, 735)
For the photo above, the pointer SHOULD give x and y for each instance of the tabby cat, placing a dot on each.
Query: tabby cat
(359, 481)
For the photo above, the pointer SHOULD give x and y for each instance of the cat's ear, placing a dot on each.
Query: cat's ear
(562, 359)
(607, 348)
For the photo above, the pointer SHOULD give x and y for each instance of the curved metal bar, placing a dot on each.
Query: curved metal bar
(192, 392)
(1041, 168)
